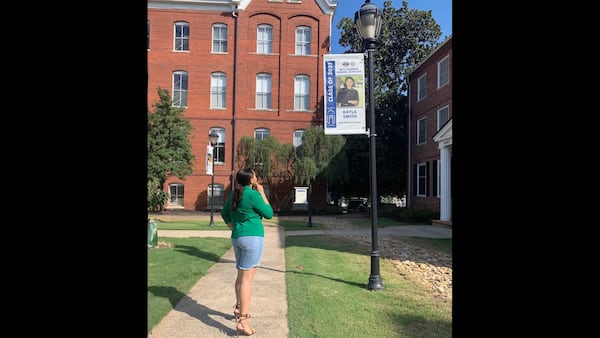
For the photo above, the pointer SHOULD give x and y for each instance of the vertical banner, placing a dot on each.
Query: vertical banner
(209, 162)
(344, 94)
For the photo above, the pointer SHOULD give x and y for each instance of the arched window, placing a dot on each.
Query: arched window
(219, 38)
(261, 133)
(264, 39)
(303, 40)
(181, 41)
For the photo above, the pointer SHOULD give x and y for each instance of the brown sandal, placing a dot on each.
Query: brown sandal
(236, 311)
(241, 329)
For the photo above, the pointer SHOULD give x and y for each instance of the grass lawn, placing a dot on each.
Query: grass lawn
(326, 284)
(327, 294)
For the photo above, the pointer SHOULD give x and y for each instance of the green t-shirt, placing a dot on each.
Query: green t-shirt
(247, 219)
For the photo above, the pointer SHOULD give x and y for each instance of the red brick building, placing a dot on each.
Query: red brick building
(240, 68)
(430, 133)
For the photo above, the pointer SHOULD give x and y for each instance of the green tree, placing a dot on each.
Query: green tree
(169, 148)
(320, 158)
(407, 37)
(271, 161)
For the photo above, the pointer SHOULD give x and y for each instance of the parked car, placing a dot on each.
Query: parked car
(357, 204)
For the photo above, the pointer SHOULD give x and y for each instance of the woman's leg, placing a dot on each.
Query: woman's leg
(248, 260)
(238, 280)
(245, 278)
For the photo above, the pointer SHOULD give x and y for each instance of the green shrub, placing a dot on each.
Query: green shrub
(408, 215)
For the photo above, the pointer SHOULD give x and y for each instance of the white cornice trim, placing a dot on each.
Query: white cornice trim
(206, 5)
(444, 135)
(327, 6)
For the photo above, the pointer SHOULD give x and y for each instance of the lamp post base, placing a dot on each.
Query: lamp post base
(375, 283)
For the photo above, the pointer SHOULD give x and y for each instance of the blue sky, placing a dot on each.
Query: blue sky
(440, 9)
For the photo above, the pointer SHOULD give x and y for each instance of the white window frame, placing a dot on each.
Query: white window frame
(422, 87)
(302, 92)
(443, 70)
(218, 90)
(298, 133)
(263, 91)
(181, 36)
(422, 131)
(443, 114)
(219, 38)
(261, 133)
(180, 88)
(264, 39)
(219, 148)
(303, 39)
(176, 195)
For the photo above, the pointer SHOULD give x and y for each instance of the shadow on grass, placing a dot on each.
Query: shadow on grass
(183, 303)
(193, 251)
(361, 245)
(317, 275)
(190, 223)
(425, 327)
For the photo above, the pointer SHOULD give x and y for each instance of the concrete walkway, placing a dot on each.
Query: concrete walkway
(207, 311)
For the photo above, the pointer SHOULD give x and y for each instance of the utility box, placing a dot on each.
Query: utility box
(300, 198)
(152, 233)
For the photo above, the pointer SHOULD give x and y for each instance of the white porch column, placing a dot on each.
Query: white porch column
(445, 199)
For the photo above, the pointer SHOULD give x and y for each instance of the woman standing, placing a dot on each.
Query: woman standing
(243, 212)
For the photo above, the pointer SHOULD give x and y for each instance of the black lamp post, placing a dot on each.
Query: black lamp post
(368, 23)
(214, 138)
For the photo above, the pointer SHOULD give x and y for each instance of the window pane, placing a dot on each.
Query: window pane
(301, 92)
(219, 150)
(182, 36)
(442, 117)
(421, 179)
(263, 91)
(219, 39)
(421, 131)
(443, 72)
(422, 88)
(264, 41)
(217, 91)
(176, 194)
(180, 89)
(298, 137)
(261, 134)
(303, 41)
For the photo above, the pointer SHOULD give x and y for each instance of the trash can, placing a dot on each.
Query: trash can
(152, 233)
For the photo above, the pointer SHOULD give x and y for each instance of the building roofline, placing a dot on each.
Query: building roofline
(448, 38)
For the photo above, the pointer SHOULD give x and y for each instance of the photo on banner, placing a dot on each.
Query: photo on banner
(209, 161)
(344, 112)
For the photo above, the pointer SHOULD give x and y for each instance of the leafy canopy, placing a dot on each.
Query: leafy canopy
(169, 148)
(407, 37)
